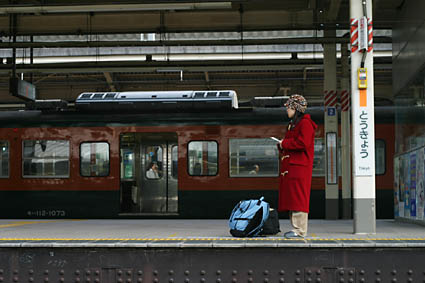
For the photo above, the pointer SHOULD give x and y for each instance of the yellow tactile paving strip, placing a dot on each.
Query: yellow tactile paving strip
(22, 223)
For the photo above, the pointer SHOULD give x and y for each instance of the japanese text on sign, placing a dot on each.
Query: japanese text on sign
(364, 146)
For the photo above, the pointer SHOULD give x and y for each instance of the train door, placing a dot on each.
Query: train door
(148, 173)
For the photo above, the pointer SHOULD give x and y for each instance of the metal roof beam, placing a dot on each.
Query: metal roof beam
(109, 80)
(333, 11)
(157, 22)
(229, 42)
(45, 9)
(186, 66)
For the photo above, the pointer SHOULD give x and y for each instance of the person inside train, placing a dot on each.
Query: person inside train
(296, 152)
(255, 170)
(153, 173)
(197, 169)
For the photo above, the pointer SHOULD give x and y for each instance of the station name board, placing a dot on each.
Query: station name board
(22, 89)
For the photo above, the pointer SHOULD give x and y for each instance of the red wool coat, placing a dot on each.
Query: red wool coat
(296, 166)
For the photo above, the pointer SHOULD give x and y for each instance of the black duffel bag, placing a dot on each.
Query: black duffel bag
(271, 226)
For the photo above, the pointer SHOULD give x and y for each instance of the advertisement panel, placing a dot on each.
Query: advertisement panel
(412, 176)
(405, 182)
(420, 168)
(396, 188)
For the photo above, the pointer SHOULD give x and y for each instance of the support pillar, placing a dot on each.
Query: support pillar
(363, 129)
(331, 129)
(345, 134)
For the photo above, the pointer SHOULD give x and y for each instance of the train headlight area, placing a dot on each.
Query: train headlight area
(203, 251)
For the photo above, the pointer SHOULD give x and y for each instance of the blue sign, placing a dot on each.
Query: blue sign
(331, 111)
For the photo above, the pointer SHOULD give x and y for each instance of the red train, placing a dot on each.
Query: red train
(134, 159)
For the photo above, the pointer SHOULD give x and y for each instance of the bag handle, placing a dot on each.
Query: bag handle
(260, 200)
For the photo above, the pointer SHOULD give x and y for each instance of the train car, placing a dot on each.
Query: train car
(122, 155)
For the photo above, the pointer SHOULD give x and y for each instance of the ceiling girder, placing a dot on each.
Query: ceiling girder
(333, 10)
(272, 41)
(174, 66)
(157, 22)
(110, 81)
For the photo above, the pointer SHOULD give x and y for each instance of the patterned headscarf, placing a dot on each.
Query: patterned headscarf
(297, 102)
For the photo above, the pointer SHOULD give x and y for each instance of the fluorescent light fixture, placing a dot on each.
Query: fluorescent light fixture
(183, 57)
(319, 55)
(155, 57)
(169, 71)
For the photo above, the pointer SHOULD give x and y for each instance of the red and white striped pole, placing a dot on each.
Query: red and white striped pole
(354, 32)
(369, 34)
(345, 100)
(330, 98)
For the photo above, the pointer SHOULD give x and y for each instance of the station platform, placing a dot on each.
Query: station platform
(157, 251)
(198, 233)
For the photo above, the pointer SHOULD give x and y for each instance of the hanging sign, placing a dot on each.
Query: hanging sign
(22, 89)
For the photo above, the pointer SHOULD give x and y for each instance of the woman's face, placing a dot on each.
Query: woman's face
(291, 112)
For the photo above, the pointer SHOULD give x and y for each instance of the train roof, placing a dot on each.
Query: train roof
(251, 115)
(142, 101)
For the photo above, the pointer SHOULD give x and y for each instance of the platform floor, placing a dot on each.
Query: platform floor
(197, 233)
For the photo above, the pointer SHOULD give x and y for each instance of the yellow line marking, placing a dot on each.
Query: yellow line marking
(173, 235)
(22, 223)
(313, 235)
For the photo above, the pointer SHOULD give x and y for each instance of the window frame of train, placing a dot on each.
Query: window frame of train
(379, 159)
(269, 148)
(191, 159)
(90, 172)
(4, 159)
(54, 159)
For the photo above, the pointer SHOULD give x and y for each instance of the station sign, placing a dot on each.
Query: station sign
(364, 145)
(331, 111)
(22, 89)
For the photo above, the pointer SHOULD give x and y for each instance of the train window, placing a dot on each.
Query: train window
(253, 158)
(4, 159)
(203, 160)
(319, 158)
(127, 164)
(212, 94)
(94, 159)
(110, 95)
(97, 96)
(154, 162)
(46, 158)
(199, 95)
(379, 157)
(174, 161)
(86, 96)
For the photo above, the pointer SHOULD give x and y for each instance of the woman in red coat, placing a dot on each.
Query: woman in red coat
(296, 166)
